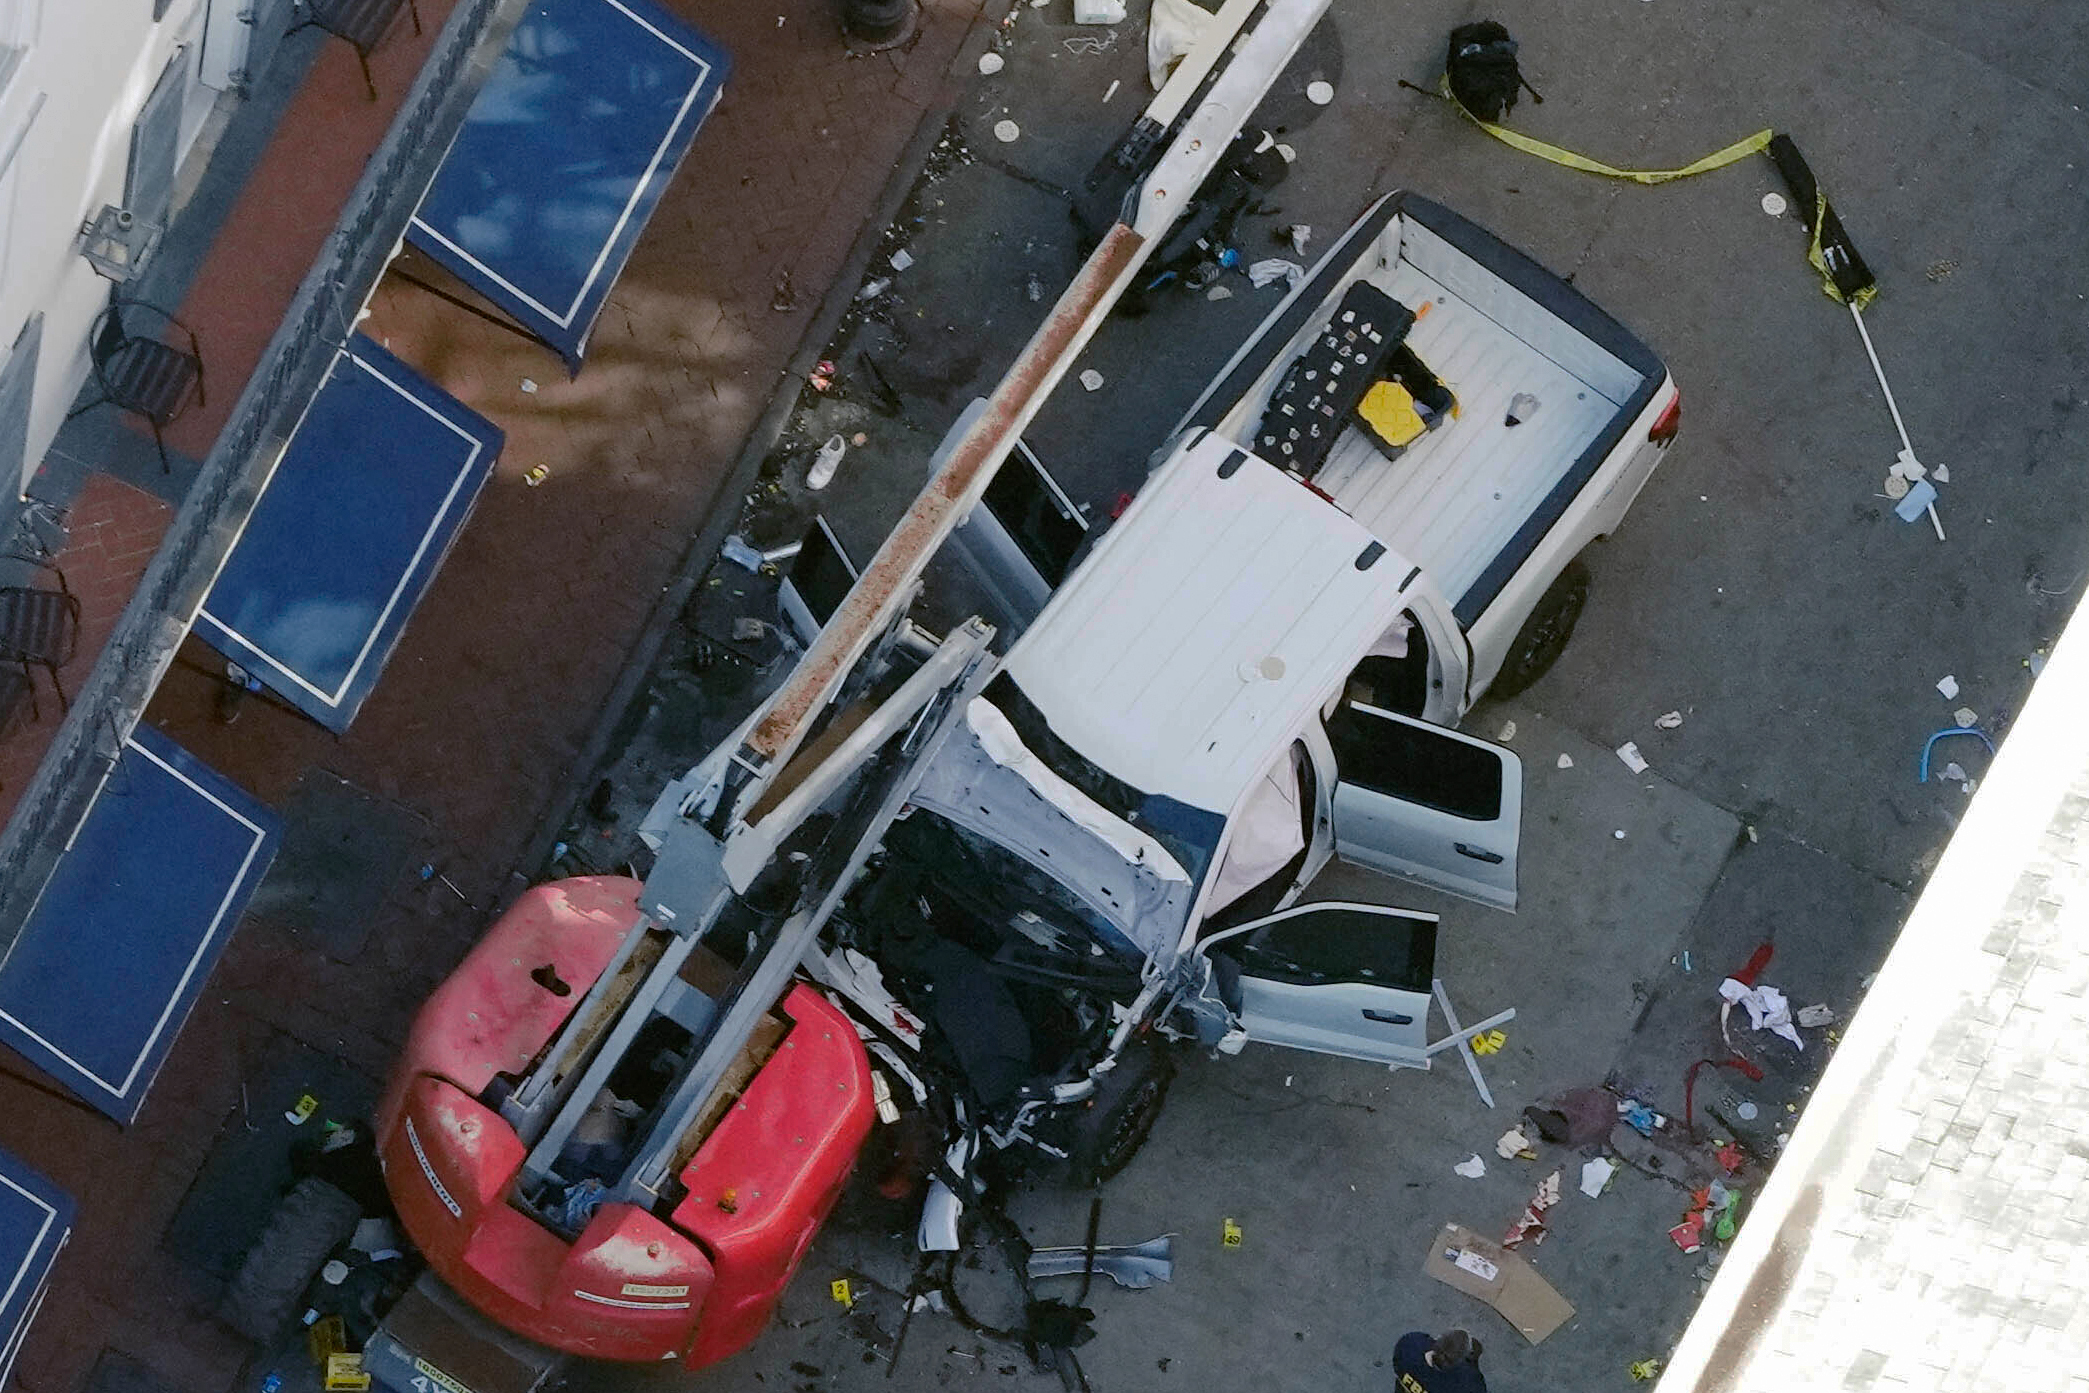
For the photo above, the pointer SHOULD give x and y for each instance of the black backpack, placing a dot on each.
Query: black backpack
(1481, 67)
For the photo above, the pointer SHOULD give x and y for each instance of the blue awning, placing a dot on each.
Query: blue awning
(563, 156)
(131, 922)
(36, 1217)
(378, 477)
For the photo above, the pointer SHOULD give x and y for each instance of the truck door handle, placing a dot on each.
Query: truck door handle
(1387, 1017)
(1478, 853)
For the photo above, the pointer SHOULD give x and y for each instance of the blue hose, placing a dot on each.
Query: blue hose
(1931, 743)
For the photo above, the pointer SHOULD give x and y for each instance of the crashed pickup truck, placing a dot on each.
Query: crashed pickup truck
(1471, 410)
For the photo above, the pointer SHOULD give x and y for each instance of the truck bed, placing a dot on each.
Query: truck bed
(1468, 500)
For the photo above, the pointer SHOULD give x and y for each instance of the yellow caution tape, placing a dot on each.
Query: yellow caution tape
(1718, 159)
(1820, 263)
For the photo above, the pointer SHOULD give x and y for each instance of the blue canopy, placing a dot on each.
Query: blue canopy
(131, 922)
(36, 1217)
(349, 530)
(563, 156)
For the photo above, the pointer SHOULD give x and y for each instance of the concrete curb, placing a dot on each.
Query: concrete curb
(768, 428)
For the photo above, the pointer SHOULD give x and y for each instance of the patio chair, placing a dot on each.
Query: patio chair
(361, 23)
(39, 626)
(145, 361)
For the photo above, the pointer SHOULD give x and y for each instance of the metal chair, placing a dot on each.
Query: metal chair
(141, 366)
(362, 23)
(42, 627)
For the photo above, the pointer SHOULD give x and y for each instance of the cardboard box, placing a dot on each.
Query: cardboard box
(1462, 1259)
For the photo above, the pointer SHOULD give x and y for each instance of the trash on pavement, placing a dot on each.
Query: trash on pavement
(902, 259)
(1464, 1261)
(1531, 1223)
(1270, 270)
(1508, 732)
(1320, 92)
(1522, 407)
(991, 63)
(1172, 30)
(1566, 761)
(1629, 752)
(1513, 1144)
(1098, 11)
(1921, 494)
(1133, 1266)
(1954, 773)
(1774, 204)
(1644, 1369)
(873, 289)
(1930, 744)
(1948, 686)
(1298, 234)
(1670, 721)
(1813, 1017)
(1639, 1117)
(1111, 90)
(1767, 1009)
(1471, 1168)
(825, 463)
(529, 385)
(1091, 379)
(736, 550)
(1730, 1157)
(1966, 717)
(1596, 1174)
(1007, 131)
(822, 376)
(1218, 292)
(535, 475)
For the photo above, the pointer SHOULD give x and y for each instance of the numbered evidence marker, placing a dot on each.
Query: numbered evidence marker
(839, 1290)
(1229, 1234)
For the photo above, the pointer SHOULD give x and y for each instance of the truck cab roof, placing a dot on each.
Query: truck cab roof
(1207, 624)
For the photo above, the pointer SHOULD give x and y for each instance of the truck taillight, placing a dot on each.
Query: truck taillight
(1666, 423)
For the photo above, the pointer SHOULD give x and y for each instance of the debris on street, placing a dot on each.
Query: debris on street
(1531, 1223)
(1947, 685)
(1629, 752)
(1091, 380)
(1513, 1145)
(1270, 270)
(1596, 1174)
(1007, 131)
(1670, 721)
(990, 63)
(1766, 1006)
(1472, 1168)
(1566, 761)
(1466, 1262)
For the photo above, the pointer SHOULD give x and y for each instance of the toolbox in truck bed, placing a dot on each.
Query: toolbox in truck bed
(1313, 404)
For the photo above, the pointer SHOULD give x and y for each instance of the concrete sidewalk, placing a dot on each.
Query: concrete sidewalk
(476, 731)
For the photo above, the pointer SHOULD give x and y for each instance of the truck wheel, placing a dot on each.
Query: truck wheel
(311, 1221)
(1120, 1117)
(1544, 635)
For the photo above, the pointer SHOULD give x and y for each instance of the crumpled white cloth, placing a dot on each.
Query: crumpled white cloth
(1273, 269)
(1767, 1009)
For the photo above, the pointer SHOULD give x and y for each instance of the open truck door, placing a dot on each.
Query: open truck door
(1332, 977)
(1426, 804)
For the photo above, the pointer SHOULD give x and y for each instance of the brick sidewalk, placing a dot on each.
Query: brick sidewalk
(501, 676)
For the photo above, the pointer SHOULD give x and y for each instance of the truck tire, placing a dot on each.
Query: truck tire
(1120, 1117)
(311, 1221)
(1544, 634)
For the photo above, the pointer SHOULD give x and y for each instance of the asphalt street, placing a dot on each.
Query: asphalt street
(1762, 588)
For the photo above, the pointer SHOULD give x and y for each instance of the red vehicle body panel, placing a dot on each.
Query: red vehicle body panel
(632, 1286)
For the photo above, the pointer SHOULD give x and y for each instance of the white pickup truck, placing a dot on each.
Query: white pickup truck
(1249, 673)
(1494, 514)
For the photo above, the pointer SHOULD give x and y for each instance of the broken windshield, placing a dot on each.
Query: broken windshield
(1189, 834)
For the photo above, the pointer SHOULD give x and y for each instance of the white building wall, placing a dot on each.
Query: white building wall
(84, 68)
